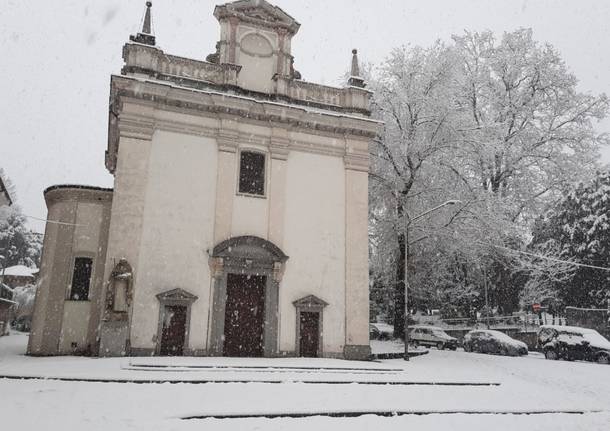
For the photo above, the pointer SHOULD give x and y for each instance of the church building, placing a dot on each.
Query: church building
(238, 220)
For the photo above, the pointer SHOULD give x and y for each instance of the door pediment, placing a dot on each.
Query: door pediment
(249, 248)
(310, 302)
(176, 295)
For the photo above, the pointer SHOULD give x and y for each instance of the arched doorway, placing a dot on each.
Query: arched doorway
(246, 274)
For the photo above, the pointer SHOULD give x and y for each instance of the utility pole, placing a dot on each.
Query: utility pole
(486, 297)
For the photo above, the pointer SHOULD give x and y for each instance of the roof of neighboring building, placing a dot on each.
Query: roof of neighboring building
(19, 271)
(75, 186)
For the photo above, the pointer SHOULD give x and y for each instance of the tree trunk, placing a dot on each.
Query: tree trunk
(399, 288)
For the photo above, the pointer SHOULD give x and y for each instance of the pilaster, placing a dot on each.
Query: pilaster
(278, 148)
(129, 199)
(227, 140)
(356, 251)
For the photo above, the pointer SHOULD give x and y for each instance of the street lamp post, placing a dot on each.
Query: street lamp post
(486, 298)
(408, 222)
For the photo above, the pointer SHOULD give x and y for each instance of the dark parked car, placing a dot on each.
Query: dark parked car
(495, 342)
(573, 343)
(432, 336)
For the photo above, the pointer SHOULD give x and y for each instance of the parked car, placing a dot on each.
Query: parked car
(495, 342)
(381, 331)
(432, 336)
(573, 343)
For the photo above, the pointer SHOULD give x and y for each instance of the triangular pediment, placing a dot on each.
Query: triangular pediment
(259, 12)
(176, 295)
(310, 301)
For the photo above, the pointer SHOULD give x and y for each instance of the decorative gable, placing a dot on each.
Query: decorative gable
(176, 295)
(257, 12)
(310, 302)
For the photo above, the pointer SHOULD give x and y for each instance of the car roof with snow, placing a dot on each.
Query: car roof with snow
(436, 328)
(575, 329)
(498, 334)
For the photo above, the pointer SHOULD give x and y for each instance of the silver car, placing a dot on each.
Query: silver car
(432, 336)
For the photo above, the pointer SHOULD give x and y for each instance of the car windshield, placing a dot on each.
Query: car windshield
(439, 333)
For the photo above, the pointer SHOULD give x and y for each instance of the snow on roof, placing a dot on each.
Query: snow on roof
(20, 271)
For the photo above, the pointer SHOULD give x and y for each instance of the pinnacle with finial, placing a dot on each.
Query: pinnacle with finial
(145, 36)
(146, 26)
(355, 67)
(355, 80)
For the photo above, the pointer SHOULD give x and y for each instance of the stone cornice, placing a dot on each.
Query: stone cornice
(159, 95)
(137, 127)
(228, 141)
(356, 162)
(142, 106)
(279, 148)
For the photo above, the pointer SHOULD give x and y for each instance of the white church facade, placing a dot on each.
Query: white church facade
(238, 220)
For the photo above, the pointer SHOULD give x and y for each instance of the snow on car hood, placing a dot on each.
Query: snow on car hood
(595, 339)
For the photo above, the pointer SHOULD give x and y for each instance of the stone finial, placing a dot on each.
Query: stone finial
(355, 80)
(146, 26)
(355, 66)
(145, 36)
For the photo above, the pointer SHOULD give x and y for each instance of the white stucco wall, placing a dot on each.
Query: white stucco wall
(87, 229)
(74, 326)
(178, 223)
(314, 239)
(86, 243)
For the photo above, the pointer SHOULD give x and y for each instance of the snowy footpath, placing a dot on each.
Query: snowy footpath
(442, 390)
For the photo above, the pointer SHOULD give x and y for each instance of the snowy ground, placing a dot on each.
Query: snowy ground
(529, 384)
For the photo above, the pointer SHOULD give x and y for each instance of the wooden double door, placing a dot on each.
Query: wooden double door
(244, 315)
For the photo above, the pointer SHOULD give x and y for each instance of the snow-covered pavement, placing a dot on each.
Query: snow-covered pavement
(530, 384)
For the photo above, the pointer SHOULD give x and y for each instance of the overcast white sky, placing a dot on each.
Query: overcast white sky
(57, 57)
